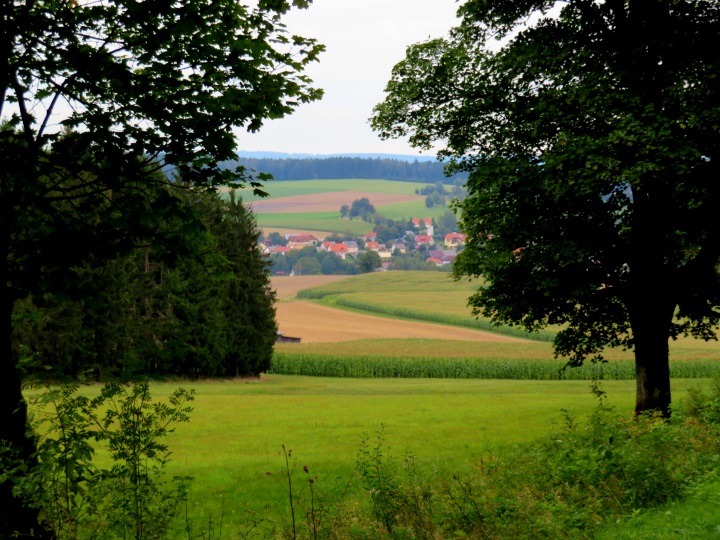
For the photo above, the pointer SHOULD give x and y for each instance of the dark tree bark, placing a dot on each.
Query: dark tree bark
(15, 518)
(650, 323)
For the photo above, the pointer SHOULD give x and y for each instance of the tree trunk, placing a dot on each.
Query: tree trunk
(15, 518)
(652, 361)
(651, 308)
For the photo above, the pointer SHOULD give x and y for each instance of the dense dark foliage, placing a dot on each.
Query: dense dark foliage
(591, 134)
(207, 315)
(94, 98)
(347, 167)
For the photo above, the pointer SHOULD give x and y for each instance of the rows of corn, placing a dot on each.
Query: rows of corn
(290, 363)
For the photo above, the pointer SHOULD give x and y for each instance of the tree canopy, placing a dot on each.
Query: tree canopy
(590, 131)
(96, 101)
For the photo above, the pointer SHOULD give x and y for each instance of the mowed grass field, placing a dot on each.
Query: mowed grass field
(238, 428)
(294, 195)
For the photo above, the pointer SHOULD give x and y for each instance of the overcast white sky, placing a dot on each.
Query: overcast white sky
(364, 40)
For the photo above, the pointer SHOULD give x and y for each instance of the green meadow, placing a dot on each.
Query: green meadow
(233, 445)
(329, 222)
(291, 188)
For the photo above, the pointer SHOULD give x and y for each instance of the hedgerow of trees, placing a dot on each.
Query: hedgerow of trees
(348, 167)
(208, 315)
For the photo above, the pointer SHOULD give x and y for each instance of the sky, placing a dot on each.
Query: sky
(364, 40)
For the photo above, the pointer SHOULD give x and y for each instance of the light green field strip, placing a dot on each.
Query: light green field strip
(393, 282)
(423, 296)
(290, 188)
(316, 221)
(438, 297)
(407, 210)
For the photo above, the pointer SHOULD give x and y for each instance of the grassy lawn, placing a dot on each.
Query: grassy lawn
(696, 518)
(238, 427)
(407, 210)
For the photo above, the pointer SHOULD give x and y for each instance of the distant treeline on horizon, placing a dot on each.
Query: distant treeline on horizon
(333, 168)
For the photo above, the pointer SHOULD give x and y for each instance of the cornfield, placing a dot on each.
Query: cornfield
(289, 363)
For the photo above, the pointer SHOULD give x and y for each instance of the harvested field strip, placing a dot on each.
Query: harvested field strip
(291, 188)
(288, 363)
(318, 323)
(440, 318)
(285, 286)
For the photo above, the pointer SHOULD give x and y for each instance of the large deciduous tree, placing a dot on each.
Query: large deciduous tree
(94, 98)
(591, 132)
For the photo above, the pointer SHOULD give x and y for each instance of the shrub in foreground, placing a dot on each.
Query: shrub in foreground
(130, 499)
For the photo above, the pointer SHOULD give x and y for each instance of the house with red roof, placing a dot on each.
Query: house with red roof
(424, 239)
(372, 246)
(453, 240)
(369, 237)
(339, 249)
(282, 250)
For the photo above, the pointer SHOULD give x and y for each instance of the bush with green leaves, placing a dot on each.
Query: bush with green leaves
(131, 498)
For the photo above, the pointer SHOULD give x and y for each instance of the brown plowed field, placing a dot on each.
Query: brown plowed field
(289, 286)
(322, 324)
(326, 202)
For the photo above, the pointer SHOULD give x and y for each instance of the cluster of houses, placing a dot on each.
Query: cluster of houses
(440, 251)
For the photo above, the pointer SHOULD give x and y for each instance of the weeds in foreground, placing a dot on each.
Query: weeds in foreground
(131, 499)
(569, 485)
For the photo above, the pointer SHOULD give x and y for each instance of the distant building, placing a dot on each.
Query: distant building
(453, 240)
(297, 241)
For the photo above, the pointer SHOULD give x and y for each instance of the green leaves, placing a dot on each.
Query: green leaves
(590, 187)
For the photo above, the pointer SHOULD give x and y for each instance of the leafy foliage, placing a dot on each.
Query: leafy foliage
(209, 315)
(96, 101)
(590, 133)
(369, 261)
(79, 500)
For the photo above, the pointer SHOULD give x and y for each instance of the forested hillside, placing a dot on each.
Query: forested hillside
(326, 168)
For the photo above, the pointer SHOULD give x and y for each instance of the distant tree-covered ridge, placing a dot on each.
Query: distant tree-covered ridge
(326, 168)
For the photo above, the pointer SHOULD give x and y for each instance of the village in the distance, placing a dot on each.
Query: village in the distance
(418, 245)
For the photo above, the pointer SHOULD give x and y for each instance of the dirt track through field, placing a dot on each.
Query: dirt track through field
(327, 202)
(316, 323)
